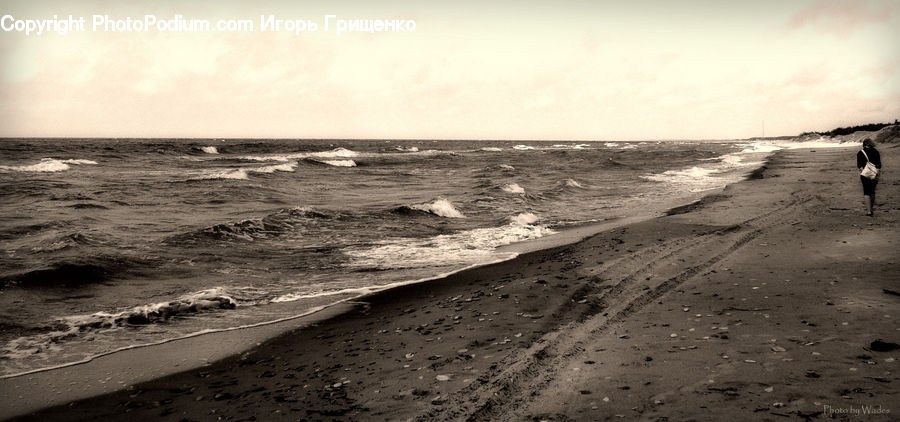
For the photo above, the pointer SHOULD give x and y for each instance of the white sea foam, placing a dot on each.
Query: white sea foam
(507, 167)
(335, 153)
(48, 165)
(292, 297)
(273, 157)
(287, 167)
(524, 219)
(720, 171)
(733, 160)
(214, 298)
(209, 150)
(491, 149)
(757, 147)
(243, 173)
(15, 352)
(339, 163)
(571, 146)
(203, 300)
(237, 174)
(441, 207)
(513, 188)
(689, 175)
(404, 149)
(695, 179)
(465, 247)
(523, 147)
(573, 183)
(619, 145)
(770, 146)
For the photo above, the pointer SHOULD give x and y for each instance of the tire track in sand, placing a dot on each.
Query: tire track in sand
(641, 278)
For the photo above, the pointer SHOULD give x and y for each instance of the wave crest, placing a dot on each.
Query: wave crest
(464, 247)
(440, 207)
(48, 165)
(573, 184)
(513, 188)
(286, 167)
(331, 154)
(524, 219)
(237, 174)
(338, 163)
(209, 299)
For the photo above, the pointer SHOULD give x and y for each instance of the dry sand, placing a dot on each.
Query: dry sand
(759, 303)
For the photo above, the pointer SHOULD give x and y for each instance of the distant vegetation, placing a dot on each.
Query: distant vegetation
(871, 127)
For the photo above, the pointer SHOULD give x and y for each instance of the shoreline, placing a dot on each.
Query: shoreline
(26, 386)
(556, 293)
(258, 333)
(568, 236)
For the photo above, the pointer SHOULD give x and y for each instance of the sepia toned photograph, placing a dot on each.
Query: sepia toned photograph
(427, 210)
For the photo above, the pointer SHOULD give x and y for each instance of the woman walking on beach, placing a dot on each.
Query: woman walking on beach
(868, 154)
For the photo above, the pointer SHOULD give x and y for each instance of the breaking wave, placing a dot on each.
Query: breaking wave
(287, 167)
(336, 153)
(573, 184)
(244, 173)
(440, 207)
(209, 299)
(72, 326)
(48, 165)
(513, 188)
(338, 163)
(461, 248)
(238, 174)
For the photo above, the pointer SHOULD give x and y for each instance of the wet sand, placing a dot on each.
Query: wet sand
(761, 302)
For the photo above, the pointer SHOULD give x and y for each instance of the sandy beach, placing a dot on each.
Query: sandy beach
(775, 299)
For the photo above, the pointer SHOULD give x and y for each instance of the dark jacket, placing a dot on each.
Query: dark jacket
(874, 158)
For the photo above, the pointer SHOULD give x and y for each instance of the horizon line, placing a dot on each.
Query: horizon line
(3, 138)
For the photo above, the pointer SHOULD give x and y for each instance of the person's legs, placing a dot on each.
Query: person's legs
(869, 194)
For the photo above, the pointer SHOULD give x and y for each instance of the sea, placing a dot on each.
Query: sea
(110, 244)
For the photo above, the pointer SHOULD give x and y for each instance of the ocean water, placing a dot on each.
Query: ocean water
(111, 243)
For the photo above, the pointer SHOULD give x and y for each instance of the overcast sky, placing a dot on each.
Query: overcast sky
(587, 70)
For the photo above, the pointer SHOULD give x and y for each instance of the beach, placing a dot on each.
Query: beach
(775, 298)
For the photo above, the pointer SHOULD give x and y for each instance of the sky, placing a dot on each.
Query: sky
(556, 70)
